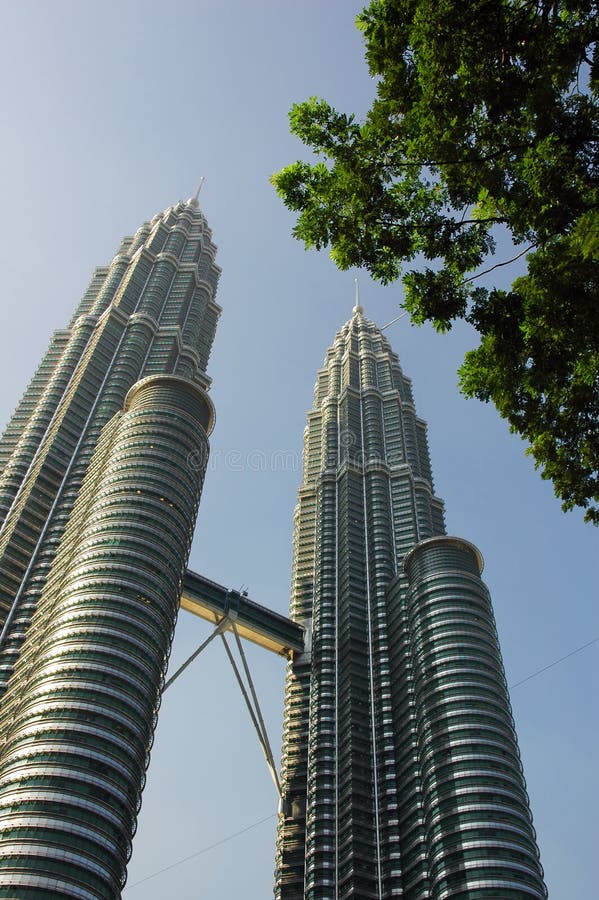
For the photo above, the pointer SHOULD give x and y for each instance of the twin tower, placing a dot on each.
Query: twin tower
(400, 774)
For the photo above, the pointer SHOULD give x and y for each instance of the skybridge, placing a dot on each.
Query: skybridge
(256, 623)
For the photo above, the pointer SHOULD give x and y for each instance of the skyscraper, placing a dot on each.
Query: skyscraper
(97, 506)
(401, 774)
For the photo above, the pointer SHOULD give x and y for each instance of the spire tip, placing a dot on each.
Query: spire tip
(193, 201)
(357, 308)
(197, 193)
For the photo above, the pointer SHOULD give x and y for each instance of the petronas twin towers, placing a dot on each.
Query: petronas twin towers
(400, 771)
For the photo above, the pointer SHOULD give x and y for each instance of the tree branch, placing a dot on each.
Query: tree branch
(498, 265)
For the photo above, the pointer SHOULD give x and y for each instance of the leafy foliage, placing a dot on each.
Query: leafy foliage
(486, 114)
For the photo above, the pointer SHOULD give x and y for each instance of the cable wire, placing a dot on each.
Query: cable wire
(199, 852)
(267, 818)
(554, 663)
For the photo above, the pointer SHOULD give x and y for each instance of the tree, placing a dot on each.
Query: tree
(486, 115)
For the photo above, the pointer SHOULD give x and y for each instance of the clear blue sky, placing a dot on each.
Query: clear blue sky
(111, 111)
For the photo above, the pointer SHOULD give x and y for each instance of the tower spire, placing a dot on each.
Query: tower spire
(193, 201)
(197, 193)
(357, 308)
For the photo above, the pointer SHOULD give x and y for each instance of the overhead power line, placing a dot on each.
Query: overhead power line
(554, 663)
(236, 834)
(199, 852)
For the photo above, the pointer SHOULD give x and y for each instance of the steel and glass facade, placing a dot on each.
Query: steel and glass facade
(401, 773)
(98, 501)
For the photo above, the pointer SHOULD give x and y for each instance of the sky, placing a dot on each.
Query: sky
(111, 111)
